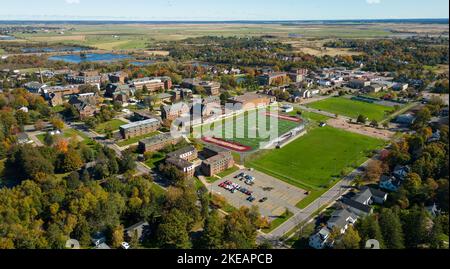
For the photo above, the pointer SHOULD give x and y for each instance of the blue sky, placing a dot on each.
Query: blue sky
(222, 9)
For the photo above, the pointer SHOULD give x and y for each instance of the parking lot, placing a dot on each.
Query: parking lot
(280, 195)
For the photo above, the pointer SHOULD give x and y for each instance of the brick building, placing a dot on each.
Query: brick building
(153, 84)
(188, 153)
(252, 100)
(211, 87)
(172, 112)
(217, 163)
(139, 128)
(157, 142)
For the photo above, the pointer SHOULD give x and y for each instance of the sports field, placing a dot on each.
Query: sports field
(244, 129)
(351, 108)
(320, 156)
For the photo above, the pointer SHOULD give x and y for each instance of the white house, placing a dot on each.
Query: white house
(320, 239)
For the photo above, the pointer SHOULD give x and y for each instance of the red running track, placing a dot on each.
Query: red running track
(228, 145)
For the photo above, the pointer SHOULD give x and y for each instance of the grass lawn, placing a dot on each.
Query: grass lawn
(158, 190)
(198, 184)
(57, 109)
(352, 108)
(244, 128)
(69, 133)
(311, 116)
(134, 140)
(113, 124)
(278, 221)
(228, 172)
(157, 157)
(320, 156)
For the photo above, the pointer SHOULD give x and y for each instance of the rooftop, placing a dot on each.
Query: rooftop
(139, 123)
(157, 138)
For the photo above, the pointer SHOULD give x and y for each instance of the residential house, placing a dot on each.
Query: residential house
(341, 219)
(320, 240)
(140, 230)
(389, 183)
(401, 171)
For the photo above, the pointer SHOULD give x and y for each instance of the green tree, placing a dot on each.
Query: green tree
(391, 229)
(361, 119)
(369, 228)
(349, 240)
(173, 231)
(212, 236)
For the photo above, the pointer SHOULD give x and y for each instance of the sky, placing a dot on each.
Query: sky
(168, 10)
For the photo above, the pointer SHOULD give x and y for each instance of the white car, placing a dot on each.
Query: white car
(125, 245)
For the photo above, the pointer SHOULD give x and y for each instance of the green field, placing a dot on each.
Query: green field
(113, 125)
(157, 157)
(141, 36)
(244, 129)
(320, 156)
(69, 133)
(351, 108)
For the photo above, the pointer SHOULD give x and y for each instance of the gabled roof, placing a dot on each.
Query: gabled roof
(363, 196)
(354, 204)
(340, 217)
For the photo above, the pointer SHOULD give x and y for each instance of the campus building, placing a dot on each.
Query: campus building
(152, 84)
(86, 77)
(272, 78)
(157, 142)
(217, 163)
(139, 128)
(252, 100)
(188, 153)
(184, 166)
(298, 75)
(172, 112)
(211, 87)
(118, 77)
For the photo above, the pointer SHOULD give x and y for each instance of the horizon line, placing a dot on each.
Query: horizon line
(207, 20)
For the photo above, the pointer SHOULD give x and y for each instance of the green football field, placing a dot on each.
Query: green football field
(244, 129)
(351, 108)
(312, 161)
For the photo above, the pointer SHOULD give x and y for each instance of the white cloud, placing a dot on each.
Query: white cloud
(373, 2)
(70, 2)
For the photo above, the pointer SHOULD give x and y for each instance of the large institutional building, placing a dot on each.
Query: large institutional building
(139, 128)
